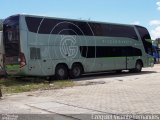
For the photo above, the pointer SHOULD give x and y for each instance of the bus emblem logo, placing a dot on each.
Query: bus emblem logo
(68, 47)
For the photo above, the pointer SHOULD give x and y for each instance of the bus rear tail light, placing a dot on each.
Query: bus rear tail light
(22, 60)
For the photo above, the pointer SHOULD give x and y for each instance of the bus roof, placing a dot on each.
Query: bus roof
(90, 21)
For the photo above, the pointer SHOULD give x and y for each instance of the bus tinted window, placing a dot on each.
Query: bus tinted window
(71, 27)
(109, 51)
(54, 26)
(33, 24)
(122, 31)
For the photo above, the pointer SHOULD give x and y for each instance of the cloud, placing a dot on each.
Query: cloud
(155, 33)
(154, 22)
(158, 4)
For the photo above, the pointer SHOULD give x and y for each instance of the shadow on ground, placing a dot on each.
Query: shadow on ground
(91, 76)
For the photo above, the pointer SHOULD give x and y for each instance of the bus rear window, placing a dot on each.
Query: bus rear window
(11, 36)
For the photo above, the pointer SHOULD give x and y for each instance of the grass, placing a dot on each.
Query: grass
(13, 85)
(12, 67)
(26, 84)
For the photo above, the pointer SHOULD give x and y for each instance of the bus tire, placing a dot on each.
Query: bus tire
(76, 71)
(61, 72)
(138, 67)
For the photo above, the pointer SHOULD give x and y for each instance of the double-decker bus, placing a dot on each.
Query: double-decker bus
(46, 46)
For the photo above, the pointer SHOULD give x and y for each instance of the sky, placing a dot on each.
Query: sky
(141, 12)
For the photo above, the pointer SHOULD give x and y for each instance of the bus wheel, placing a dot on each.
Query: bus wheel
(76, 71)
(138, 67)
(61, 72)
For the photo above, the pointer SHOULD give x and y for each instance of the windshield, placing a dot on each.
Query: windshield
(146, 39)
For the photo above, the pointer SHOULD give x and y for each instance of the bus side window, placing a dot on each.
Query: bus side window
(35, 53)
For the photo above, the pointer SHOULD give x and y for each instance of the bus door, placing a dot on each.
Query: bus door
(130, 62)
(131, 56)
